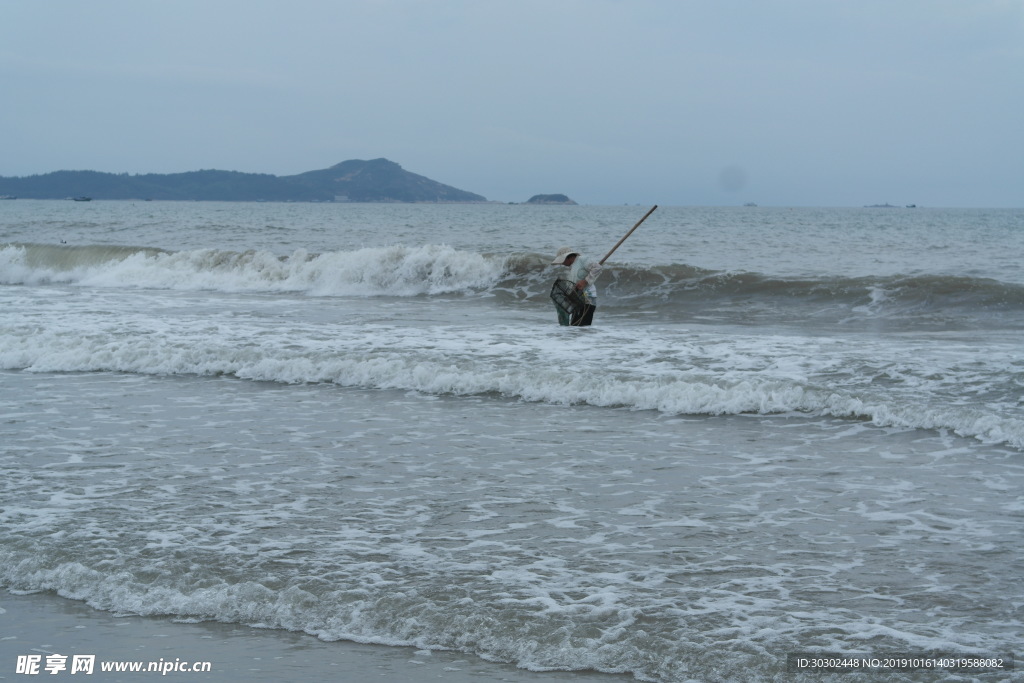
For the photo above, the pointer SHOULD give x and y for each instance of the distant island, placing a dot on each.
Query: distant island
(550, 199)
(378, 180)
(887, 205)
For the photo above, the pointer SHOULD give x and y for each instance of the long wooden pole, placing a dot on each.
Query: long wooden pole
(601, 262)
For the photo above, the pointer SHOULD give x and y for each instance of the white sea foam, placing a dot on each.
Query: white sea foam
(675, 374)
(575, 551)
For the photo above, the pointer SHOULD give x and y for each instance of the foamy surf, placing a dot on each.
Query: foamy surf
(364, 423)
(689, 373)
(565, 538)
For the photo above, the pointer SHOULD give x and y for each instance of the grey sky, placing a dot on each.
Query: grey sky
(779, 102)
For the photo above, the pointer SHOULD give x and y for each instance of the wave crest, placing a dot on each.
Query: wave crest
(677, 291)
(393, 271)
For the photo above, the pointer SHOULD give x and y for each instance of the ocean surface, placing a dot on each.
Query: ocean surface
(789, 430)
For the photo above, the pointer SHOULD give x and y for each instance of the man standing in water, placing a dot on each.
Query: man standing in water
(583, 275)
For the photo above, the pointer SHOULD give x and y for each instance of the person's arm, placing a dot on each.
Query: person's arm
(593, 270)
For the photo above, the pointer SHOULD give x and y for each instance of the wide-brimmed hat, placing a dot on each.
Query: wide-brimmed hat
(563, 253)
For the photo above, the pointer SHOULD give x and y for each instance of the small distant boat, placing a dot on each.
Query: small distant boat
(82, 199)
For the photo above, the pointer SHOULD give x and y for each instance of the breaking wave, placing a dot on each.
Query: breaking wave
(738, 375)
(394, 271)
(441, 269)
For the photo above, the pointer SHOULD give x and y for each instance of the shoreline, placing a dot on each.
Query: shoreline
(45, 624)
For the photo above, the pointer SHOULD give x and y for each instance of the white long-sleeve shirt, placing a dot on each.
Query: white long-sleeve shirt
(581, 270)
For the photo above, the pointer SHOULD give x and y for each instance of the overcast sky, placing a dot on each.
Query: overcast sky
(671, 102)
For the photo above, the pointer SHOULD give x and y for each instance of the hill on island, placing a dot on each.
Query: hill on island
(378, 180)
(550, 199)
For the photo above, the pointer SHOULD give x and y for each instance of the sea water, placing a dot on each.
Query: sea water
(789, 430)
